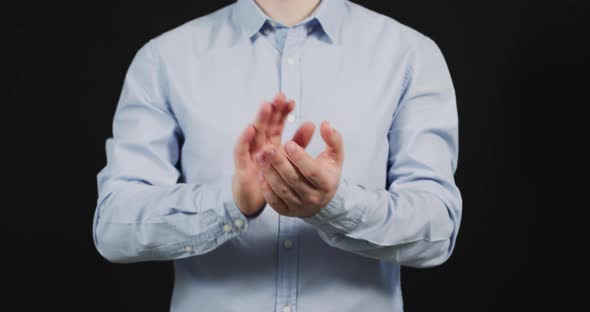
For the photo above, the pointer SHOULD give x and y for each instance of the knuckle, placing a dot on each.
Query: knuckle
(293, 176)
(314, 174)
(284, 191)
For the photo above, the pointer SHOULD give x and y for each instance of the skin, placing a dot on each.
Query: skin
(266, 130)
(296, 184)
(292, 182)
(287, 178)
(288, 12)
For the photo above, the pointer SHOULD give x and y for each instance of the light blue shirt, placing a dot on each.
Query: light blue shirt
(165, 192)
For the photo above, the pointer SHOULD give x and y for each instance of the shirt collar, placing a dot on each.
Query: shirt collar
(330, 14)
(249, 18)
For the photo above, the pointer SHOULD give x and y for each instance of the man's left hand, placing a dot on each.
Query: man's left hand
(297, 185)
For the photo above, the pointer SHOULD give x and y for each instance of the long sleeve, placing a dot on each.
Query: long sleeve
(144, 212)
(414, 220)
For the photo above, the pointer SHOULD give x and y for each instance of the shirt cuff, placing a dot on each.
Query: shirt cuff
(233, 215)
(336, 216)
(219, 225)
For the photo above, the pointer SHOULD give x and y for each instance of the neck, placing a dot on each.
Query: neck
(288, 12)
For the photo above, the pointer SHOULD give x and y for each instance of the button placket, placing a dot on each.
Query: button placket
(290, 77)
(290, 118)
(287, 266)
(288, 243)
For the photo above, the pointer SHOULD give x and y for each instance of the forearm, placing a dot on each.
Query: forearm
(415, 220)
(413, 225)
(419, 254)
(139, 222)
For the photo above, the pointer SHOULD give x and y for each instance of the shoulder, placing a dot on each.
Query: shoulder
(385, 28)
(194, 36)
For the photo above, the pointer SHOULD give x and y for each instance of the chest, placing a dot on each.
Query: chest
(221, 93)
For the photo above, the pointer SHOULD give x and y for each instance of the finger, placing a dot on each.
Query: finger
(243, 145)
(306, 165)
(333, 139)
(271, 198)
(261, 124)
(287, 109)
(280, 187)
(304, 134)
(277, 132)
(278, 108)
(289, 174)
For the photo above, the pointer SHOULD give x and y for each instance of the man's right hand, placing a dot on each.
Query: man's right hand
(268, 128)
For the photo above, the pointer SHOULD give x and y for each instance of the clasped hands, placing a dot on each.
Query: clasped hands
(285, 176)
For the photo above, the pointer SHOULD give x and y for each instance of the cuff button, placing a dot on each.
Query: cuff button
(238, 223)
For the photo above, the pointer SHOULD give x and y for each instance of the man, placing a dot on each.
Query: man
(269, 216)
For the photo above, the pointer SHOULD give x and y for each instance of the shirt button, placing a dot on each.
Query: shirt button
(290, 61)
(266, 31)
(238, 223)
(188, 249)
(286, 308)
(227, 228)
(290, 118)
(288, 243)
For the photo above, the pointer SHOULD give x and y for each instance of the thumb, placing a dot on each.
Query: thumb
(242, 147)
(303, 135)
(333, 139)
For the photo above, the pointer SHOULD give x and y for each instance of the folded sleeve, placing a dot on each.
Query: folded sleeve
(144, 212)
(414, 220)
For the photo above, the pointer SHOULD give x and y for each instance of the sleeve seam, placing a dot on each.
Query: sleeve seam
(399, 244)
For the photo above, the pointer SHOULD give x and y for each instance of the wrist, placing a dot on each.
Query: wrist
(256, 213)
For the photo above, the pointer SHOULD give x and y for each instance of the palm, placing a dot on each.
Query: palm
(252, 169)
(267, 129)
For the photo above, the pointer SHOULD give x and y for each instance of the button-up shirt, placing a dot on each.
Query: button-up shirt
(165, 192)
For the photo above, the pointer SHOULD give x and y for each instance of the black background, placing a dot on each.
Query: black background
(519, 69)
